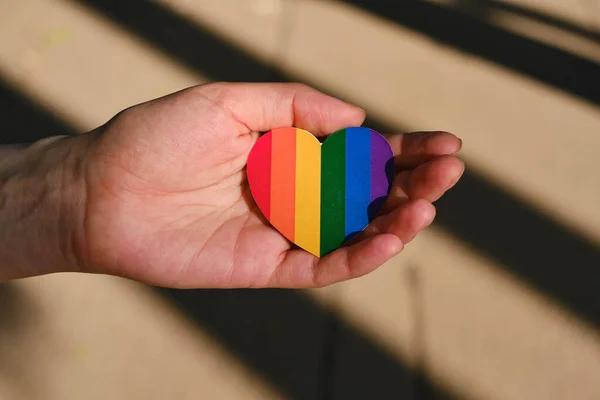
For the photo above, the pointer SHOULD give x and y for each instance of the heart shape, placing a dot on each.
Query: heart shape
(320, 196)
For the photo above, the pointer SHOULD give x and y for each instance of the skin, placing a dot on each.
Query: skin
(159, 194)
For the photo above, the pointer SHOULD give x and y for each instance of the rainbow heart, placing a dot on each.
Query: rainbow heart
(320, 196)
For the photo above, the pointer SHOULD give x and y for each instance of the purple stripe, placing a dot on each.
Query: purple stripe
(381, 154)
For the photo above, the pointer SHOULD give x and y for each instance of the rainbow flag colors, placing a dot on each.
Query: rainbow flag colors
(320, 196)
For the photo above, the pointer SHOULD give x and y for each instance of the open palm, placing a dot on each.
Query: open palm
(168, 201)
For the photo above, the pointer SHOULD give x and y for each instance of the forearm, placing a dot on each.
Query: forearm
(42, 206)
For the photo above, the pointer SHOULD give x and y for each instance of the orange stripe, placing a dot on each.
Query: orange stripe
(283, 180)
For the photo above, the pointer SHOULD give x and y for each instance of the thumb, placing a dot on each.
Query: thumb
(265, 106)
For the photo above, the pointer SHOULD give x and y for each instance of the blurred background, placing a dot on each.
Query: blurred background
(499, 300)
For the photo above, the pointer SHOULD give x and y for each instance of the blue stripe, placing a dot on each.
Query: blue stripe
(358, 179)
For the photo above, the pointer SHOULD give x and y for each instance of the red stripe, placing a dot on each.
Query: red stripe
(259, 173)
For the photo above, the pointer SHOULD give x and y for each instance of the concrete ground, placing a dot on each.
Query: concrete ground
(499, 300)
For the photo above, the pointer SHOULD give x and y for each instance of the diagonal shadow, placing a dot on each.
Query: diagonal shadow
(307, 352)
(557, 261)
(452, 27)
(192, 44)
(304, 350)
(24, 121)
(481, 7)
(18, 312)
(560, 263)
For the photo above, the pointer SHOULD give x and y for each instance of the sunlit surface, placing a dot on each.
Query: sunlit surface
(479, 331)
(515, 129)
(78, 64)
(554, 28)
(74, 337)
(476, 323)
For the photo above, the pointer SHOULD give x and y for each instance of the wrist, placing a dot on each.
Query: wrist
(42, 207)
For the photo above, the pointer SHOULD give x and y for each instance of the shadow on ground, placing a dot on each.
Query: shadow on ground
(18, 312)
(23, 121)
(305, 351)
(464, 31)
(557, 261)
(483, 8)
(302, 349)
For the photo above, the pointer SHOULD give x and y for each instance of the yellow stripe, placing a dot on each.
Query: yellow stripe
(308, 192)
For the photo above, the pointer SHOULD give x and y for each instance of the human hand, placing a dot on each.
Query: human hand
(167, 202)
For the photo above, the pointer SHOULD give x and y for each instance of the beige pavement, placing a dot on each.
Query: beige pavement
(477, 330)
(84, 337)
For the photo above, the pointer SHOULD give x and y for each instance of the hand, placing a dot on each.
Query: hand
(168, 203)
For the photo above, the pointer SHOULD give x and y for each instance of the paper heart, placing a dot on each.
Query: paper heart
(320, 196)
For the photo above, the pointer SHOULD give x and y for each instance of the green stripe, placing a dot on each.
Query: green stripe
(333, 192)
